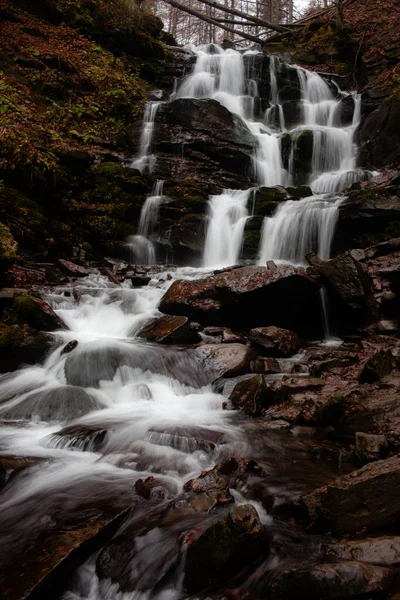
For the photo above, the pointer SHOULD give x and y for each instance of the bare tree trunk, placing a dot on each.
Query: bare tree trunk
(339, 14)
(239, 13)
(211, 21)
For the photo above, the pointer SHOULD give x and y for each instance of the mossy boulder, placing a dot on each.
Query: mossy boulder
(36, 313)
(266, 199)
(8, 247)
(19, 346)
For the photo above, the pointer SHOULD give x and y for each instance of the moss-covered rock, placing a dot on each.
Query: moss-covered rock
(266, 199)
(8, 247)
(20, 346)
(36, 313)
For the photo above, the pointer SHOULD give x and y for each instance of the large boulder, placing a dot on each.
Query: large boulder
(369, 497)
(383, 550)
(223, 360)
(22, 345)
(250, 297)
(350, 294)
(201, 138)
(379, 364)
(339, 581)
(55, 404)
(275, 341)
(226, 546)
(36, 313)
(169, 330)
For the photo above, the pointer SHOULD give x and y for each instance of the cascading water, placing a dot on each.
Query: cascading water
(227, 220)
(141, 246)
(146, 161)
(299, 227)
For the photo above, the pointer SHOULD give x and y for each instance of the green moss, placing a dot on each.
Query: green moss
(10, 339)
(8, 247)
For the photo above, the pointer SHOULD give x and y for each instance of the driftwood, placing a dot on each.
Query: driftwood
(251, 18)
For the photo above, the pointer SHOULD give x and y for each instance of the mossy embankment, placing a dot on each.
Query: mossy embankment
(73, 77)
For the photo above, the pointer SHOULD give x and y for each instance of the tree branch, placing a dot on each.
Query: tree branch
(239, 13)
(207, 19)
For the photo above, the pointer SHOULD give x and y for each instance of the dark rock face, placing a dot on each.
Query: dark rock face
(249, 297)
(376, 366)
(379, 135)
(56, 404)
(368, 497)
(201, 139)
(337, 581)
(232, 542)
(276, 341)
(369, 215)
(349, 286)
(179, 63)
(169, 330)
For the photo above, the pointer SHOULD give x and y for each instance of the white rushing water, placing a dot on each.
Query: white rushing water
(298, 226)
(227, 219)
(141, 246)
(146, 161)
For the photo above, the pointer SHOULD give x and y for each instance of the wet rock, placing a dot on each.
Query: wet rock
(379, 135)
(200, 139)
(349, 286)
(276, 341)
(217, 553)
(266, 366)
(56, 404)
(22, 345)
(368, 497)
(370, 446)
(74, 270)
(384, 550)
(186, 439)
(55, 276)
(367, 216)
(36, 313)
(376, 366)
(249, 297)
(169, 330)
(266, 199)
(339, 581)
(373, 410)
(224, 360)
(87, 438)
(248, 395)
(69, 347)
(140, 280)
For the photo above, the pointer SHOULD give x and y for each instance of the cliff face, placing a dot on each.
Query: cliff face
(73, 76)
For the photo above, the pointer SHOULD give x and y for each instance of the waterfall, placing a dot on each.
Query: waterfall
(227, 219)
(334, 153)
(274, 114)
(150, 208)
(141, 247)
(299, 227)
(145, 160)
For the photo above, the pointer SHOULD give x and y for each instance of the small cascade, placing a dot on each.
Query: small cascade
(274, 114)
(227, 219)
(150, 209)
(146, 161)
(141, 247)
(299, 227)
(333, 165)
